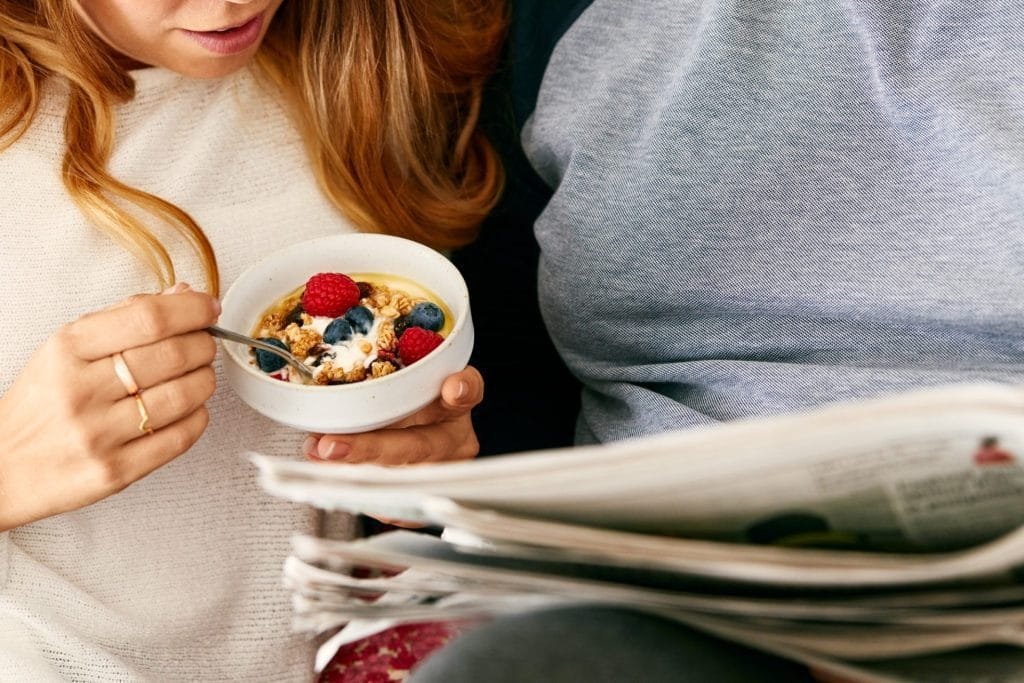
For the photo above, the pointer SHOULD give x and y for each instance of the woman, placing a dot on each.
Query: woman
(178, 141)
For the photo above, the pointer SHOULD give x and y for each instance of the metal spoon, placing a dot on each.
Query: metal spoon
(302, 368)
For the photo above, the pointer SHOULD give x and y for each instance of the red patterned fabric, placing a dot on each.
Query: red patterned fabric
(390, 655)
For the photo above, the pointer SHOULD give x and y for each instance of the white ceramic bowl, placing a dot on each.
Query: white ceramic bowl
(361, 406)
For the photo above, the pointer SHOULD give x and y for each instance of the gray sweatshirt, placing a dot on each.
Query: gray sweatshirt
(761, 206)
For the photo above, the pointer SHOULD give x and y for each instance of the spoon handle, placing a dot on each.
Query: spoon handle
(256, 343)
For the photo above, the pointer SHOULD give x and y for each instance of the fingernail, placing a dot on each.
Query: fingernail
(309, 447)
(217, 307)
(462, 390)
(334, 450)
(176, 288)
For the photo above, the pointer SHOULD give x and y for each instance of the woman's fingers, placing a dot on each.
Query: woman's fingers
(67, 415)
(451, 440)
(176, 288)
(153, 364)
(460, 393)
(439, 432)
(162, 405)
(141, 322)
(141, 456)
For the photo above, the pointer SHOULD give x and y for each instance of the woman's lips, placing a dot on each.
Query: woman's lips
(232, 40)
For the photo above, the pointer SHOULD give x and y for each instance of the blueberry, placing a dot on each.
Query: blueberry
(426, 315)
(338, 331)
(360, 318)
(267, 361)
(401, 324)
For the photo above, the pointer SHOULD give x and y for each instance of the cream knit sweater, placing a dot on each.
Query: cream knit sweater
(177, 578)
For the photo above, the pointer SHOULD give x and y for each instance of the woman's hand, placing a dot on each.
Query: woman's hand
(73, 434)
(440, 432)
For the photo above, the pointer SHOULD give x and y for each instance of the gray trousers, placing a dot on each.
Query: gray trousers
(597, 645)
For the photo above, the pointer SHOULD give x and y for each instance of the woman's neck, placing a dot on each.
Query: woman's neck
(128, 63)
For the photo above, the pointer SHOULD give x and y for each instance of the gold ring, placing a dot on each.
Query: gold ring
(143, 414)
(124, 374)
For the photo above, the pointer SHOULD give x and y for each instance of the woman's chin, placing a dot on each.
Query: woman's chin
(209, 67)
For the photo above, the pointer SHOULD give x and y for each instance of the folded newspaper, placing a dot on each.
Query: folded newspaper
(879, 539)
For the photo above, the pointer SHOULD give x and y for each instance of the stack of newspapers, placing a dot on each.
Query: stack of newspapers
(879, 540)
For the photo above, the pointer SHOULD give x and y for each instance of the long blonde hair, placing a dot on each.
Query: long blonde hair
(386, 94)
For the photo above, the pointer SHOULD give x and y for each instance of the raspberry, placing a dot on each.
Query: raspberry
(417, 342)
(330, 295)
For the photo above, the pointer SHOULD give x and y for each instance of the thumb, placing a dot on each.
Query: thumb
(463, 390)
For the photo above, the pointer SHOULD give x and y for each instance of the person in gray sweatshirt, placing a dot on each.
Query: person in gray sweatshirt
(759, 207)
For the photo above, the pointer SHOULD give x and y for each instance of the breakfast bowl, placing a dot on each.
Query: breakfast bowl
(398, 282)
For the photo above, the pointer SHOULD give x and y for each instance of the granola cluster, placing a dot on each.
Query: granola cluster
(301, 340)
(331, 374)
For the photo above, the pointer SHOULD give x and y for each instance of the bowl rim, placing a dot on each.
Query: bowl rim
(429, 252)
